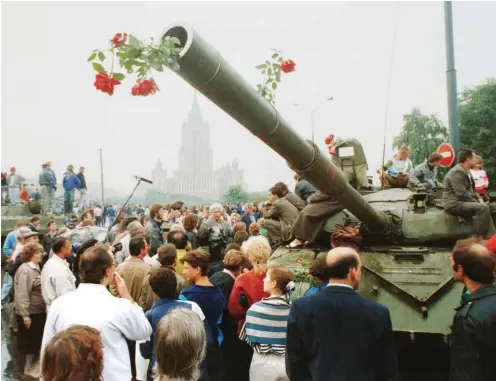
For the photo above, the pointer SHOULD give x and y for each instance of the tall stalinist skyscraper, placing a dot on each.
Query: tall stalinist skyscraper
(195, 174)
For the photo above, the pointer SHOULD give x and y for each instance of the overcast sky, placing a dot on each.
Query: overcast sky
(51, 111)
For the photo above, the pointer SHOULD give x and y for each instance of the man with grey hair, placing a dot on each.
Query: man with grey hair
(330, 332)
(133, 228)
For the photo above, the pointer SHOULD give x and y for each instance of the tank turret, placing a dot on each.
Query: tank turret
(204, 68)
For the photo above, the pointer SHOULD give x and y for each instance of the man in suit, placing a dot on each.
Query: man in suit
(460, 198)
(279, 217)
(338, 335)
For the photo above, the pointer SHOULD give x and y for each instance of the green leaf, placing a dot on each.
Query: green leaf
(263, 71)
(157, 66)
(176, 41)
(274, 85)
(269, 72)
(262, 66)
(101, 56)
(99, 68)
(92, 57)
(268, 63)
(133, 52)
(281, 59)
(278, 76)
(275, 55)
(118, 76)
(134, 42)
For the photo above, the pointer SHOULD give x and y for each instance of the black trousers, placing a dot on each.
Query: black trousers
(29, 340)
(131, 346)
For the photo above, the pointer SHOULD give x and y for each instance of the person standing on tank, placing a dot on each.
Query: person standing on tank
(83, 190)
(460, 198)
(46, 181)
(71, 183)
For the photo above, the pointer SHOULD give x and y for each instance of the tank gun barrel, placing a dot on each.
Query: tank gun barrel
(203, 67)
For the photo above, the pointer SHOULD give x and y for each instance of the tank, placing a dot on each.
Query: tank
(13, 213)
(407, 237)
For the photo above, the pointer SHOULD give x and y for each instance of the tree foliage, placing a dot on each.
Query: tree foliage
(422, 133)
(477, 113)
(235, 193)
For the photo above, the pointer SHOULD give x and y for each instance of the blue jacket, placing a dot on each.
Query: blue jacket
(337, 334)
(8, 246)
(212, 303)
(71, 181)
(316, 289)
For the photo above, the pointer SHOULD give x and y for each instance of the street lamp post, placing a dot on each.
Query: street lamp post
(313, 111)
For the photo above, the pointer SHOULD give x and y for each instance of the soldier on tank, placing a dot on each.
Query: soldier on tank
(460, 198)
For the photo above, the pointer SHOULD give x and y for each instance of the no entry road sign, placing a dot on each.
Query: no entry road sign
(448, 153)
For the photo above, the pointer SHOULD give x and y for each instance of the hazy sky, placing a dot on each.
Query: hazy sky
(51, 111)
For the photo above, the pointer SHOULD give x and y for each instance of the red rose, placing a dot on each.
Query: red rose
(144, 88)
(288, 66)
(105, 84)
(328, 140)
(119, 40)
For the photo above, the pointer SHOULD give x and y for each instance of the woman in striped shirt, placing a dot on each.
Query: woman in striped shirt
(266, 325)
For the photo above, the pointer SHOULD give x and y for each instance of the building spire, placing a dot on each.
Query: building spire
(195, 114)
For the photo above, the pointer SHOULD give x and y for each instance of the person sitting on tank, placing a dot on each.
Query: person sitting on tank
(303, 189)
(320, 271)
(279, 216)
(396, 173)
(481, 180)
(313, 218)
(460, 198)
(296, 201)
(424, 176)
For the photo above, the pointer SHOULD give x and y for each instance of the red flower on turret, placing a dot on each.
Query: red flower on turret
(288, 66)
(144, 88)
(105, 84)
(119, 40)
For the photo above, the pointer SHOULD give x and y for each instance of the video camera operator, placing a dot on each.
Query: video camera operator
(218, 231)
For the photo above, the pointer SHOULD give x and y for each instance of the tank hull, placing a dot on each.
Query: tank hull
(416, 285)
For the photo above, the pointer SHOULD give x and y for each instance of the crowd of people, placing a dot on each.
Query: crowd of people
(177, 292)
(201, 302)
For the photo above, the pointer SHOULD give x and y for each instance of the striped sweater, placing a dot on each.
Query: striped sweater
(266, 325)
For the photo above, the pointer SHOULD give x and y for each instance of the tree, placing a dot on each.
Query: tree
(422, 133)
(477, 112)
(235, 193)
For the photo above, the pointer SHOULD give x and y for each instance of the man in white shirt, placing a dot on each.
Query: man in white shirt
(91, 304)
(56, 277)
